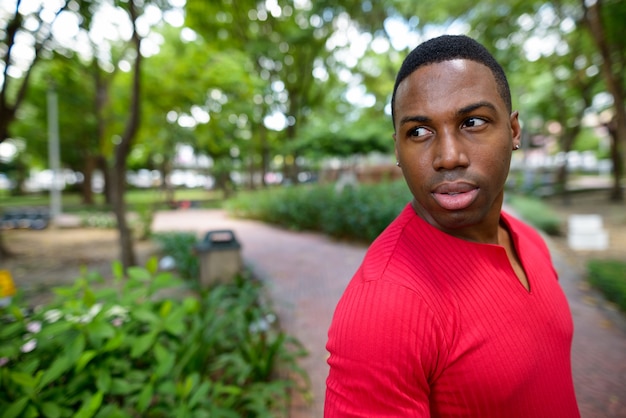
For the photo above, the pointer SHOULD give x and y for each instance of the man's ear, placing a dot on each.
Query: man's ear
(516, 129)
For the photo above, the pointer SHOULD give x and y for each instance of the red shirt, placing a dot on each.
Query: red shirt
(433, 325)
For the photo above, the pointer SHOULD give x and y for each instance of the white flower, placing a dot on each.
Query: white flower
(72, 318)
(117, 311)
(34, 327)
(259, 326)
(53, 315)
(270, 317)
(29, 346)
(94, 310)
(88, 317)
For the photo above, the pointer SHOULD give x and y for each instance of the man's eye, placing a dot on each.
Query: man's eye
(419, 131)
(473, 122)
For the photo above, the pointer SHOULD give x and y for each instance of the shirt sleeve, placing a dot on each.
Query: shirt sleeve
(385, 350)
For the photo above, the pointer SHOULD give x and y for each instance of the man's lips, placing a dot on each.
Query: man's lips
(455, 196)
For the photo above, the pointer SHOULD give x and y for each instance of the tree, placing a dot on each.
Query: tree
(123, 148)
(16, 73)
(604, 21)
(72, 80)
(200, 94)
(287, 42)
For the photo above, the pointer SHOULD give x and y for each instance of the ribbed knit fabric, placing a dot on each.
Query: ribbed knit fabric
(433, 325)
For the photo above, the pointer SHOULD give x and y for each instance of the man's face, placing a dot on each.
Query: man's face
(454, 138)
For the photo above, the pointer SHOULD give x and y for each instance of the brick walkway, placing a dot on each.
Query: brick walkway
(306, 274)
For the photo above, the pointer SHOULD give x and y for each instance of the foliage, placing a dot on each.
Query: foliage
(608, 276)
(141, 224)
(536, 212)
(103, 220)
(179, 246)
(146, 347)
(354, 212)
(140, 220)
(137, 199)
(588, 140)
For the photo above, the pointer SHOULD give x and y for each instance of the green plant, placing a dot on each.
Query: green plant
(356, 213)
(142, 223)
(536, 212)
(146, 346)
(180, 246)
(104, 220)
(609, 277)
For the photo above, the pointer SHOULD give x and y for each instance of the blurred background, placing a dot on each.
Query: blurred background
(100, 97)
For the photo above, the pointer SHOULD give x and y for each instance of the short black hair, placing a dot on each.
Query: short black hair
(447, 48)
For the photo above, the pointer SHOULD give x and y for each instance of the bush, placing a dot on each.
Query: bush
(359, 213)
(103, 220)
(537, 213)
(139, 221)
(179, 245)
(146, 347)
(609, 277)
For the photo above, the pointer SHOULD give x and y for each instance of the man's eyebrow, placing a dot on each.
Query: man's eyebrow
(474, 106)
(418, 119)
(461, 112)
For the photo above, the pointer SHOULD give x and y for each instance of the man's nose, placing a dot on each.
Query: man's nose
(450, 150)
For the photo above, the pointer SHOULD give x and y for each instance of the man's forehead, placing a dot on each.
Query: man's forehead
(446, 71)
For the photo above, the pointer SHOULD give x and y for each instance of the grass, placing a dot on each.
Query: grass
(609, 277)
(71, 202)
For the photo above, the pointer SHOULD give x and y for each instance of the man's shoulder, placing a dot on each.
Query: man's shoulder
(400, 253)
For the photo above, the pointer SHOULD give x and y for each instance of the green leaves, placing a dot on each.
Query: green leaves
(58, 367)
(16, 408)
(208, 354)
(357, 213)
(90, 406)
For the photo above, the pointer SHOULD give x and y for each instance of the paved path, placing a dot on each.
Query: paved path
(307, 272)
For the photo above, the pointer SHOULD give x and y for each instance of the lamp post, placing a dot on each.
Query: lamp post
(54, 153)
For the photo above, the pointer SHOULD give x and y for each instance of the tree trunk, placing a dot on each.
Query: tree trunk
(122, 150)
(265, 154)
(5, 253)
(567, 141)
(612, 77)
(103, 166)
(88, 170)
(616, 194)
(166, 172)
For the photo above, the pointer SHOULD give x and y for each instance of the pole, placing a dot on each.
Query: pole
(54, 154)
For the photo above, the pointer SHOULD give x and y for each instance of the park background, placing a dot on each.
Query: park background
(111, 111)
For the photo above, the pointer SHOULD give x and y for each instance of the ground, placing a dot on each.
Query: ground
(56, 255)
(614, 221)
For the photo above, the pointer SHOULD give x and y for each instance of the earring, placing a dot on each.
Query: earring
(398, 163)
(516, 146)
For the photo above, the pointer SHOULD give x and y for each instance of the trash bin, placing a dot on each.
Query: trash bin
(219, 257)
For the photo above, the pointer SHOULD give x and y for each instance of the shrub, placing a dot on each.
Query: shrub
(179, 245)
(146, 347)
(359, 212)
(141, 223)
(536, 213)
(609, 277)
(103, 220)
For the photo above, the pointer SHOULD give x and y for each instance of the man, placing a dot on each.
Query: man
(456, 310)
